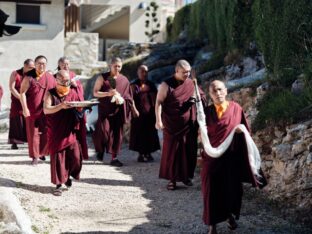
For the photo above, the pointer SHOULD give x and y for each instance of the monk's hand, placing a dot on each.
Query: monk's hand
(26, 113)
(65, 105)
(159, 125)
(73, 83)
(135, 113)
(112, 92)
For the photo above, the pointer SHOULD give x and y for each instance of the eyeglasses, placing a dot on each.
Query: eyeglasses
(43, 64)
(63, 82)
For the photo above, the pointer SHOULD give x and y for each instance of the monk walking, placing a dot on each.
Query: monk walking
(17, 131)
(63, 124)
(143, 134)
(64, 64)
(176, 116)
(222, 177)
(116, 102)
(33, 88)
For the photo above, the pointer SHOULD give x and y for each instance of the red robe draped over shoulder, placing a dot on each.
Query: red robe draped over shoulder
(222, 177)
(64, 148)
(36, 123)
(108, 133)
(82, 132)
(17, 131)
(179, 151)
(143, 134)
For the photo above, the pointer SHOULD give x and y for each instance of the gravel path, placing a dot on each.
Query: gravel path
(130, 199)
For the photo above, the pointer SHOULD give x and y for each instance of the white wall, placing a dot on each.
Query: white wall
(46, 39)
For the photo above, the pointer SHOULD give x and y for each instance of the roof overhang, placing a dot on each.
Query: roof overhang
(29, 1)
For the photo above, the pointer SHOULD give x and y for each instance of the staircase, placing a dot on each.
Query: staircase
(95, 16)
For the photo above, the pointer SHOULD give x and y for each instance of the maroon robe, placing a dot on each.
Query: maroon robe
(64, 148)
(108, 133)
(82, 133)
(179, 152)
(143, 134)
(36, 123)
(17, 131)
(222, 177)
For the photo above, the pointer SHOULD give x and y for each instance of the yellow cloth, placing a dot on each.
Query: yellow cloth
(220, 109)
(38, 75)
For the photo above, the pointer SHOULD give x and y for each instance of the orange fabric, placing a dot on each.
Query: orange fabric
(62, 90)
(220, 109)
(38, 75)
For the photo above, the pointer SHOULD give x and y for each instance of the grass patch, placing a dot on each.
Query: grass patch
(280, 106)
(35, 228)
(44, 209)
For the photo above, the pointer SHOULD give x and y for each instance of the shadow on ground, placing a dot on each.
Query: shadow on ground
(180, 211)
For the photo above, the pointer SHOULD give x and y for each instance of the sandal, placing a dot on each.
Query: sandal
(57, 191)
(171, 185)
(231, 223)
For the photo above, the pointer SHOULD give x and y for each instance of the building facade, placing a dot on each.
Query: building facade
(42, 32)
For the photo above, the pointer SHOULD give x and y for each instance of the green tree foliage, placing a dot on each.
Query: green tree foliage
(226, 23)
(152, 23)
(180, 23)
(283, 30)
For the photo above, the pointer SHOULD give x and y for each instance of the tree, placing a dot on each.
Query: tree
(152, 24)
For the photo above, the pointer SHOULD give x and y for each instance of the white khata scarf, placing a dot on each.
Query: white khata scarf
(253, 152)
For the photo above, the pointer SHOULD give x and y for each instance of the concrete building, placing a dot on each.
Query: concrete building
(42, 32)
(118, 20)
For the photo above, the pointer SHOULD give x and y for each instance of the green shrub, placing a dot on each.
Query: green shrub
(283, 33)
(280, 106)
(180, 23)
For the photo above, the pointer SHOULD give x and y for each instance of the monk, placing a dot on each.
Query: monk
(63, 124)
(33, 88)
(17, 130)
(222, 177)
(64, 64)
(143, 134)
(176, 116)
(116, 103)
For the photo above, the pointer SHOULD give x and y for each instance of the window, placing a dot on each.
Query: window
(27, 14)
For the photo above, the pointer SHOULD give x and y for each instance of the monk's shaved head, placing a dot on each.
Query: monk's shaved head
(217, 91)
(143, 67)
(216, 82)
(63, 74)
(182, 70)
(182, 64)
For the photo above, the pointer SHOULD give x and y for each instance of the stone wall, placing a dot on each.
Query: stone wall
(286, 153)
(287, 161)
(82, 50)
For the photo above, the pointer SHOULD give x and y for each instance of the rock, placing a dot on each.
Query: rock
(290, 167)
(160, 74)
(298, 147)
(298, 86)
(309, 159)
(261, 91)
(245, 81)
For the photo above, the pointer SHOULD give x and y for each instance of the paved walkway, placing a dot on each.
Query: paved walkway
(130, 199)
